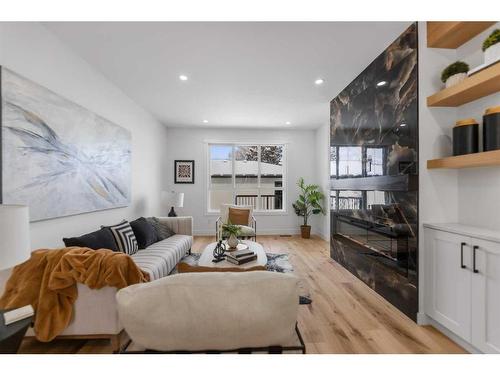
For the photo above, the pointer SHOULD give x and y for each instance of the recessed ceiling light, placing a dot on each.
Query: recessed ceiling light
(288, 123)
(183, 77)
(319, 81)
(205, 121)
(381, 83)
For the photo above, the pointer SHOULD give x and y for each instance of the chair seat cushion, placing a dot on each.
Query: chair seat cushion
(159, 259)
(246, 231)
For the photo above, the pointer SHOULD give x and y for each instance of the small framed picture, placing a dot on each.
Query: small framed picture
(184, 171)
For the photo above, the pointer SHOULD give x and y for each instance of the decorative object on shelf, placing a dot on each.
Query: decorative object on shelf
(491, 47)
(491, 129)
(454, 73)
(172, 199)
(233, 231)
(491, 52)
(184, 171)
(79, 162)
(219, 252)
(309, 203)
(465, 137)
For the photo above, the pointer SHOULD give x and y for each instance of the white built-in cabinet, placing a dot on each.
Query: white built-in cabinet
(462, 285)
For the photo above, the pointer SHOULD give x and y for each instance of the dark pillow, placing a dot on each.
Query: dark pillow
(162, 230)
(100, 239)
(144, 232)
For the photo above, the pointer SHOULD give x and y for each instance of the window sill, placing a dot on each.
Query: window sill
(255, 213)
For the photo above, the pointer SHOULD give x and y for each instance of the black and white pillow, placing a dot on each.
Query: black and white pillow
(124, 237)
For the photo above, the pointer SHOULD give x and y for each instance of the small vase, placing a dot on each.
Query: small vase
(455, 79)
(232, 241)
(492, 54)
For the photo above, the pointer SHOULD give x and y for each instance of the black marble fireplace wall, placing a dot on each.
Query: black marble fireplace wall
(374, 174)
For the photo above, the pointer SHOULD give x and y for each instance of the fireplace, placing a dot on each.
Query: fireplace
(374, 174)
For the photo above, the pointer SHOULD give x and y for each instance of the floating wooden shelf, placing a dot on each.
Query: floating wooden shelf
(453, 34)
(483, 83)
(481, 159)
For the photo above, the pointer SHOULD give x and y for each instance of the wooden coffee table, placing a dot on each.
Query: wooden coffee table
(205, 263)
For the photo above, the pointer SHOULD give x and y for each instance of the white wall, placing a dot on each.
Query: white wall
(32, 51)
(190, 144)
(322, 155)
(478, 188)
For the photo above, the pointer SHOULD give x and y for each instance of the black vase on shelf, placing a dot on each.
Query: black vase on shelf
(491, 129)
(465, 137)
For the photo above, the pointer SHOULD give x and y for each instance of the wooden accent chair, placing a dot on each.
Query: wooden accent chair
(238, 215)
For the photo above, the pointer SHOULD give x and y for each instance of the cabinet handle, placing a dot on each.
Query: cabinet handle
(474, 248)
(462, 265)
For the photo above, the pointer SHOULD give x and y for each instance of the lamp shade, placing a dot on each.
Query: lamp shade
(171, 198)
(15, 246)
(178, 200)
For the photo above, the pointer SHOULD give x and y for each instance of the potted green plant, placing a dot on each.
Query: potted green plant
(232, 232)
(309, 203)
(454, 73)
(491, 47)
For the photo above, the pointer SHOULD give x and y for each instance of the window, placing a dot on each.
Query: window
(350, 161)
(250, 175)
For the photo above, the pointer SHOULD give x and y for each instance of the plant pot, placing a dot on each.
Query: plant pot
(492, 54)
(455, 79)
(232, 241)
(305, 231)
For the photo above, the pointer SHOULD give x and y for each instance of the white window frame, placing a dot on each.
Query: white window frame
(257, 212)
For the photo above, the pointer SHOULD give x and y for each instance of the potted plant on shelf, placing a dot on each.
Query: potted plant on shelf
(309, 203)
(454, 73)
(491, 47)
(232, 231)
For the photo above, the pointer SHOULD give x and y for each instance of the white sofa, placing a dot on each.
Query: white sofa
(95, 312)
(213, 311)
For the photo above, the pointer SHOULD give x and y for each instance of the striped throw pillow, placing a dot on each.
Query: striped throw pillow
(124, 237)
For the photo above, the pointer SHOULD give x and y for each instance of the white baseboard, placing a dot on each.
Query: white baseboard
(424, 319)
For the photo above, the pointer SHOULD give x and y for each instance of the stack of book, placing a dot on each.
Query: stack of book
(240, 257)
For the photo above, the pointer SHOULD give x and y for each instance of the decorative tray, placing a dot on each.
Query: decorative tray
(241, 246)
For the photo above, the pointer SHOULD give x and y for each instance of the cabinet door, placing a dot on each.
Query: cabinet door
(448, 281)
(486, 297)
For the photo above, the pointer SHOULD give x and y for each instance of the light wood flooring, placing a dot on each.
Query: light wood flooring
(346, 316)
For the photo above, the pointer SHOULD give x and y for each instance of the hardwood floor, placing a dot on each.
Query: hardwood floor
(345, 317)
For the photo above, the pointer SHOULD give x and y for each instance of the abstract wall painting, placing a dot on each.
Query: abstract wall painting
(59, 158)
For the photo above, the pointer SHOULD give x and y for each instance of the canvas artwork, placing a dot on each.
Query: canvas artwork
(184, 171)
(57, 157)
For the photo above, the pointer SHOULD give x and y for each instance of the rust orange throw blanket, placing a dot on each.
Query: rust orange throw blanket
(48, 281)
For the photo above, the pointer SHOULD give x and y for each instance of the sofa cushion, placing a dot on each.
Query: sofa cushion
(159, 259)
(100, 239)
(162, 230)
(124, 237)
(144, 232)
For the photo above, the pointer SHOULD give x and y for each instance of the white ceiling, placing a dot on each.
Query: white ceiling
(240, 74)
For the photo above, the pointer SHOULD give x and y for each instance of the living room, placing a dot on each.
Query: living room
(302, 186)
